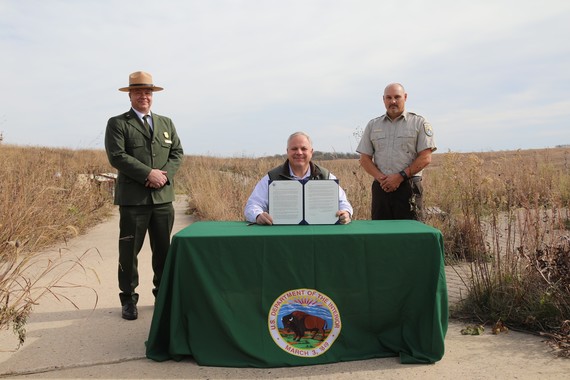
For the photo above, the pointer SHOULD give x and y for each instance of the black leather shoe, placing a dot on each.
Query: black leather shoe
(130, 311)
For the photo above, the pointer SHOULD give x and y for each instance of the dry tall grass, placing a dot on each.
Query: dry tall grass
(505, 214)
(44, 199)
(508, 215)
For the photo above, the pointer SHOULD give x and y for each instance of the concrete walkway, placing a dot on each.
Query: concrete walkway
(93, 341)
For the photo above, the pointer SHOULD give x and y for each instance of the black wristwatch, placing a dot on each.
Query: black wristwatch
(403, 174)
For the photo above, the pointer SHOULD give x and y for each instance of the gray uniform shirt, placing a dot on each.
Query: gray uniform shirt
(394, 144)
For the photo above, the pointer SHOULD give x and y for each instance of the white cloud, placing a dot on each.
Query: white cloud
(240, 76)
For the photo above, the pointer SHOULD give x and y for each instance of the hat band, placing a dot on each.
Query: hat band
(141, 85)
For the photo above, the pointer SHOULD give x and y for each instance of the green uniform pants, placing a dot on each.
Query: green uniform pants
(134, 223)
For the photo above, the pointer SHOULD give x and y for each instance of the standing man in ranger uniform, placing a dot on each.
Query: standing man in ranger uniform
(145, 149)
(394, 149)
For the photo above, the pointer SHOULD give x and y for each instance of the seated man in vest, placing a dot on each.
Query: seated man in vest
(297, 166)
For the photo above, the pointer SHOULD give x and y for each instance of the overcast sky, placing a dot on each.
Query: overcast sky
(240, 76)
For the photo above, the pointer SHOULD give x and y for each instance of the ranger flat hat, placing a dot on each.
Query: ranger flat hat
(140, 79)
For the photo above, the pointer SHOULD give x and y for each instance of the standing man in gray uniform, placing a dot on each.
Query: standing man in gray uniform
(394, 149)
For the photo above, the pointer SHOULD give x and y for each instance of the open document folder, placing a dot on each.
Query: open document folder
(304, 201)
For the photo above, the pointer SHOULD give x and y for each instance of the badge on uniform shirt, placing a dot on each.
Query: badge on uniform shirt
(428, 130)
(165, 135)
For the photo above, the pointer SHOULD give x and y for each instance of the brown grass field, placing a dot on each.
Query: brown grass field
(504, 214)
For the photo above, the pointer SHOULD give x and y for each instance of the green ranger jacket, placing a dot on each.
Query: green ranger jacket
(133, 151)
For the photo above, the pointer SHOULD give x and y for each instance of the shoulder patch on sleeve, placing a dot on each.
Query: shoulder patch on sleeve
(428, 130)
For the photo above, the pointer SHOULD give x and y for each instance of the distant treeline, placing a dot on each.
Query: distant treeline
(324, 156)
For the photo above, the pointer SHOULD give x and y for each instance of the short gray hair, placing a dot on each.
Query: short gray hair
(299, 134)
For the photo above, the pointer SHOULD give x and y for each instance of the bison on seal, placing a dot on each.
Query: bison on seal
(299, 322)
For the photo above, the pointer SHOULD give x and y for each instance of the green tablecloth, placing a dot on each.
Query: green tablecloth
(227, 288)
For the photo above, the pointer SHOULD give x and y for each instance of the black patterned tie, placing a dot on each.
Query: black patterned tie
(146, 123)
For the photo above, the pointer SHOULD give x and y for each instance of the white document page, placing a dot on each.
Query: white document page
(321, 202)
(286, 202)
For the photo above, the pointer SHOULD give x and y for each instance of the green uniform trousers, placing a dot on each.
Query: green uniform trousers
(134, 223)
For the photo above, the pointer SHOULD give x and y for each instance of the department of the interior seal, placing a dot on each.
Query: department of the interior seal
(304, 322)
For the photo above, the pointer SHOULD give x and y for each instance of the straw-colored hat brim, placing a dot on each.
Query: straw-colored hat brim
(134, 87)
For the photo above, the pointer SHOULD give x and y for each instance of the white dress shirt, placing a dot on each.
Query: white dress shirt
(258, 201)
